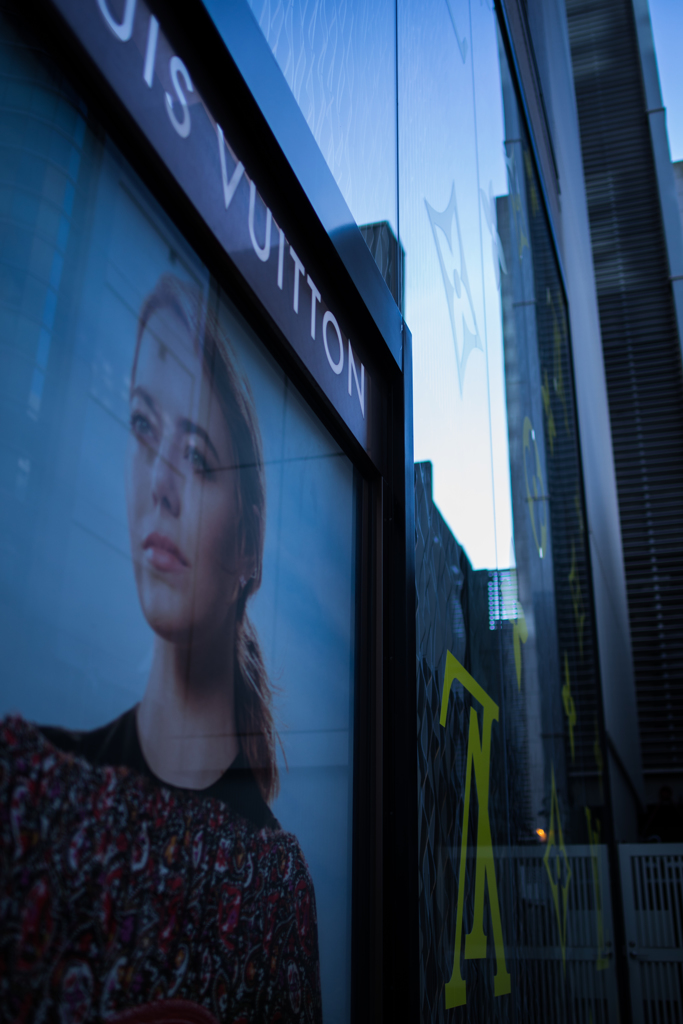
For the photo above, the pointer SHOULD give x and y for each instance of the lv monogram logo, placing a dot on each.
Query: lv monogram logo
(479, 764)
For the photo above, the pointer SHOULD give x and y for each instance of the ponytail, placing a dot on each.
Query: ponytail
(254, 710)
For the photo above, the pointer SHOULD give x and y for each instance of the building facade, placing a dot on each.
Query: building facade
(638, 251)
(319, 686)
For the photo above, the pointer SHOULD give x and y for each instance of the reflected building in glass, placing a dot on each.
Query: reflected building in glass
(401, 344)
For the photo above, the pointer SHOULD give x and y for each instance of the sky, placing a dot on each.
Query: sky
(667, 26)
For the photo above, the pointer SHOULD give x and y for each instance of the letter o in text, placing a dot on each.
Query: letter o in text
(329, 318)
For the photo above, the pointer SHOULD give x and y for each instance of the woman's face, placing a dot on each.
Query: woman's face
(181, 490)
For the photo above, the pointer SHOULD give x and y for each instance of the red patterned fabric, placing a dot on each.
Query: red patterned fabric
(165, 1011)
(116, 893)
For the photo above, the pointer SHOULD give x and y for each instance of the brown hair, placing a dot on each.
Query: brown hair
(253, 692)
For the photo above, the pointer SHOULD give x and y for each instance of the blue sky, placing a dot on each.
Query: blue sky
(667, 25)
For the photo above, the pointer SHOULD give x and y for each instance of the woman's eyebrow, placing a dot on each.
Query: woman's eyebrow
(139, 392)
(188, 427)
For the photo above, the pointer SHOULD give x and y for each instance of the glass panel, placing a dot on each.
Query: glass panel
(339, 60)
(514, 910)
(177, 577)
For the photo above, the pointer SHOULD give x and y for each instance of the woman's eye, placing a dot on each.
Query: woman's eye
(141, 426)
(197, 461)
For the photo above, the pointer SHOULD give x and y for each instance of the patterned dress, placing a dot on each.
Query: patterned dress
(125, 900)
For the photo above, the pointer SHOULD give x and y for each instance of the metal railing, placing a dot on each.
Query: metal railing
(652, 887)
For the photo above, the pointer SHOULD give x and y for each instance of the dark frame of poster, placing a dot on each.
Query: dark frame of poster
(385, 944)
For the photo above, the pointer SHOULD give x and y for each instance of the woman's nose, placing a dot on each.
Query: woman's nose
(167, 482)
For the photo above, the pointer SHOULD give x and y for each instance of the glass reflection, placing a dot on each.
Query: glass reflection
(339, 60)
(502, 565)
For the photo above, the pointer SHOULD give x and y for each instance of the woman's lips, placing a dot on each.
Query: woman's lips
(162, 554)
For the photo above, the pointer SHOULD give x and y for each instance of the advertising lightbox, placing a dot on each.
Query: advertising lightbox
(179, 603)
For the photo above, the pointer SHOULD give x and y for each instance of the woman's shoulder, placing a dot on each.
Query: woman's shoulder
(56, 774)
(93, 745)
(29, 753)
(111, 798)
(281, 847)
(23, 741)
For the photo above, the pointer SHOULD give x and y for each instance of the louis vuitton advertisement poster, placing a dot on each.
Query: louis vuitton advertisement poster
(178, 600)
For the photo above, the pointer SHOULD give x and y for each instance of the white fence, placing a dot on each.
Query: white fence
(562, 935)
(652, 886)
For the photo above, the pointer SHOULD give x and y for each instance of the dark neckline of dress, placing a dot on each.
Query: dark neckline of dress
(118, 744)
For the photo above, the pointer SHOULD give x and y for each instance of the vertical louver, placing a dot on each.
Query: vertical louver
(642, 360)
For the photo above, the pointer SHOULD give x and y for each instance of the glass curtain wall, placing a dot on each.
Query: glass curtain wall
(514, 894)
(515, 921)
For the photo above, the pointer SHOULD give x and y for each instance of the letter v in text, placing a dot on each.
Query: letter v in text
(229, 184)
